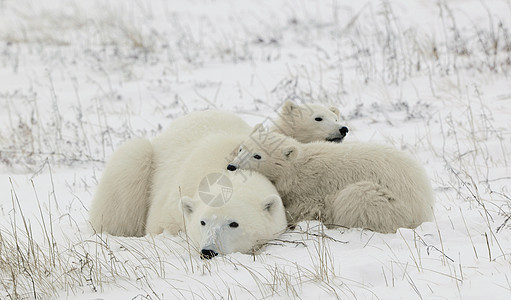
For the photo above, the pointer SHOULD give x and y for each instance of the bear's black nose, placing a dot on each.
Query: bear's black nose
(344, 130)
(231, 167)
(208, 254)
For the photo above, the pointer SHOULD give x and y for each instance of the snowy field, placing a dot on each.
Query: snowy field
(77, 78)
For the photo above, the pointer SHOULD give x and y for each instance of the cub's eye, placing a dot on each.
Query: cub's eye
(203, 223)
(240, 150)
(257, 156)
(234, 225)
(319, 119)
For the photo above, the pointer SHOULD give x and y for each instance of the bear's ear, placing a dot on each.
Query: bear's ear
(270, 203)
(188, 205)
(290, 152)
(288, 107)
(258, 127)
(335, 111)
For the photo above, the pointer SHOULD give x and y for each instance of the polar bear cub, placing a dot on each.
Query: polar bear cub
(350, 184)
(309, 123)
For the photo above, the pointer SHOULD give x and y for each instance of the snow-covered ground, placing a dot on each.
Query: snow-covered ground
(77, 78)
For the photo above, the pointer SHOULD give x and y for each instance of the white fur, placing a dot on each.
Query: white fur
(255, 206)
(176, 142)
(119, 206)
(350, 184)
(174, 147)
(191, 148)
(299, 122)
(251, 192)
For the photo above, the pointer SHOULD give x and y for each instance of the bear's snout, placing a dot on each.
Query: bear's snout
(344, 130)
(231, 167)
(208, 254)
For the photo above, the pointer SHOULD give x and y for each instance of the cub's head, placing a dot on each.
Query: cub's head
(250, 215)
(266, 152)
(309, 123)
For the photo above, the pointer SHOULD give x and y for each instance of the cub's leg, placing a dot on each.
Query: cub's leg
(121, 201)
(368, 205)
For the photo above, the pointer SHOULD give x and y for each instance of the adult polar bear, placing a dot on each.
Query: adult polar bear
(240, 222)
(191, 148)
(165, 177)
(135, 173)
(350, 184)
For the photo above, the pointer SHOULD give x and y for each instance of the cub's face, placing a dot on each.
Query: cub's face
(253, 215)
(265, 152)
(311, 123)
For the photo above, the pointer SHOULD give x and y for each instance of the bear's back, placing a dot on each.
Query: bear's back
(175, 143)
(210, 155)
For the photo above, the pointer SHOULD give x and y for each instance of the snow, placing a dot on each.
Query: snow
(80, 77)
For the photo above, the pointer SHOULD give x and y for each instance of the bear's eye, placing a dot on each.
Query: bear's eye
(240, 150)
(319, 119)
(234, 225)
(203, 223)
(257, 156)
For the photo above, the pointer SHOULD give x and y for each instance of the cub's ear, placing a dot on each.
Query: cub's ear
(288, 107)
(258, 127)
(271, 202)
(290, 152)
(335, 111)
(188, 205)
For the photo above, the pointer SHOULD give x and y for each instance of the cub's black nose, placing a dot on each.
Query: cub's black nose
(231, 167)
(344, 130)
(208, 254)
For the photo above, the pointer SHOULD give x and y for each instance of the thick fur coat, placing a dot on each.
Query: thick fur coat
(254, 204)
(127, 186)
(120, 204)
(350, 184)
(150, 188)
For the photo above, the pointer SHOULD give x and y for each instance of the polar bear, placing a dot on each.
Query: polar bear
(309, 123)
(197, 146)
(251, 216)
(123, 197)
(205, 156)
(349, 184)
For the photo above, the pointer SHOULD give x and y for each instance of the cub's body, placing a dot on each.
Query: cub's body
(350, 184)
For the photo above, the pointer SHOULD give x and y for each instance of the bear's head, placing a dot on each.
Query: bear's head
(269, 153)
(309, 123)
(251, 214)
